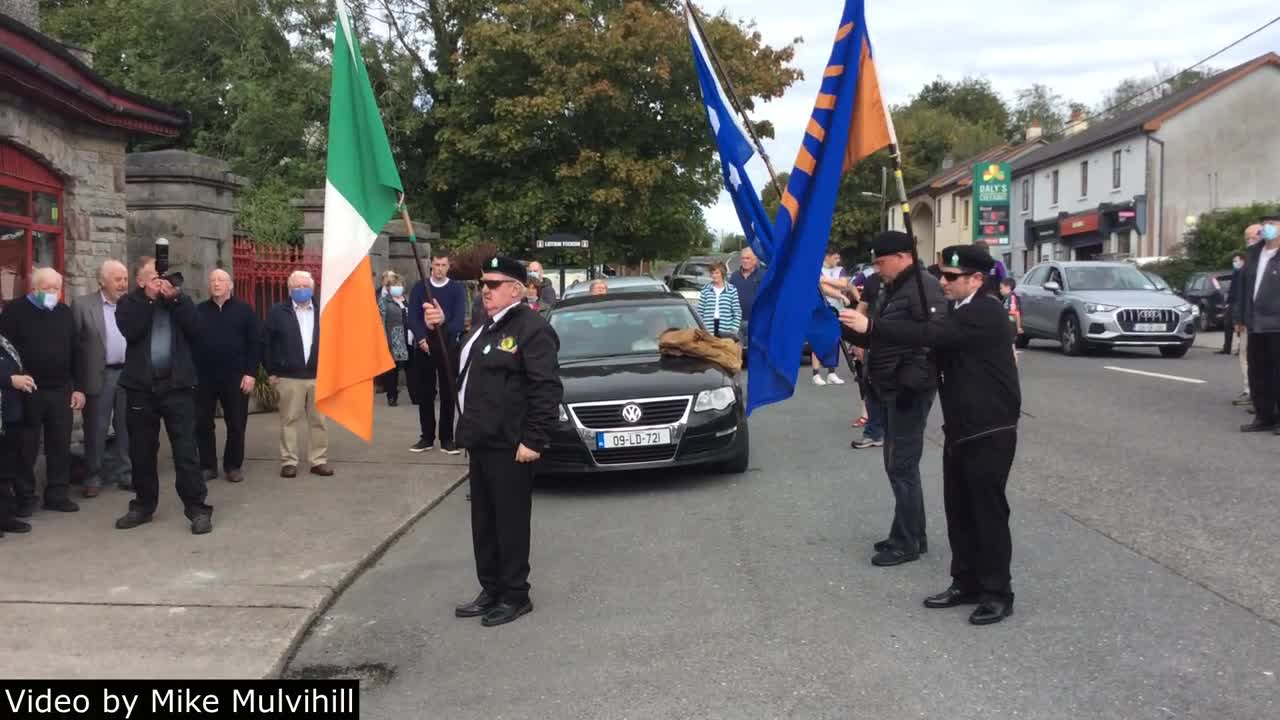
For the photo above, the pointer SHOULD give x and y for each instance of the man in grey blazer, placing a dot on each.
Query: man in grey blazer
(102, 350)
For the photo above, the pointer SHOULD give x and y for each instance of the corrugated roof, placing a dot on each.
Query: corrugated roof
(1138, 119)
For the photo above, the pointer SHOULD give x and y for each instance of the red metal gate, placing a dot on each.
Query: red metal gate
(261, 274)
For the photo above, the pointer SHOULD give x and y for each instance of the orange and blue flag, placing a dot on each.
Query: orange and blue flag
(849, 123)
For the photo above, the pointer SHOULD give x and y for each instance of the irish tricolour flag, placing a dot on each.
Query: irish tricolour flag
(362, 191)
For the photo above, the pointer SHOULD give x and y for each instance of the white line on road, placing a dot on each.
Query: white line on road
(1193, 381)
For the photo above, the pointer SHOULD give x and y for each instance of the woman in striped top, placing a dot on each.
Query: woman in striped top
(718, 304)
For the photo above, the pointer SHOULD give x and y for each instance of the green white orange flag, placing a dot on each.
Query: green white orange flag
(362, 190)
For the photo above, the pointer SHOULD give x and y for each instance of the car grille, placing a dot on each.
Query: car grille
(652, 412)
(623, 456)
(1130, 317)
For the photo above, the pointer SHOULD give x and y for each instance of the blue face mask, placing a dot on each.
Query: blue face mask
(48, 301)
(1269, 232)
(301, 296)
(397, 290)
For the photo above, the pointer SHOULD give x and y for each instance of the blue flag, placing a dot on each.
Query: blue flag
(734, 152)
(849, 122)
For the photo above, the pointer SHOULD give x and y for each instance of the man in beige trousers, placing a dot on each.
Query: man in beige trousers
(292, 350)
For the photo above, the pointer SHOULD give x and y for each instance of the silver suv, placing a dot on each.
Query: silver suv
(1084, 305)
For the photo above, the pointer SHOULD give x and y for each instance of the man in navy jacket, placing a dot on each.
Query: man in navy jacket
(434, 362)
(292, 351)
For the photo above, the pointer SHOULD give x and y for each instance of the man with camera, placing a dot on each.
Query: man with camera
(160, 324)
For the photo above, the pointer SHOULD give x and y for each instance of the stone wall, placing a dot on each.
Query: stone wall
(91, 163)
(391, 251)
(25, 11)
(188, 199)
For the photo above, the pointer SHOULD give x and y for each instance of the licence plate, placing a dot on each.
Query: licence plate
(632, 438)
(1150, 327)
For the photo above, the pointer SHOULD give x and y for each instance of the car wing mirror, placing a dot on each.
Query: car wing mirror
(1052, 287)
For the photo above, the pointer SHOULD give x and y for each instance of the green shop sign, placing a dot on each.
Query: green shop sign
(991, 186)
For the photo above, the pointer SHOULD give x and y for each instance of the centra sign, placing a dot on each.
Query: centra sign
(992, 183)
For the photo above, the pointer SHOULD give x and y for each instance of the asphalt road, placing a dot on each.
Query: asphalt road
(1144, 564)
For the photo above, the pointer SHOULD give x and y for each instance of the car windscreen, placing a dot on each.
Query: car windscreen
(1107, 278)
(627, 287)
(696, 269)
(589, 332)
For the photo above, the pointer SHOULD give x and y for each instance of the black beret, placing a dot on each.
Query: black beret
(506, 266)
(890, 242)
(968, 259)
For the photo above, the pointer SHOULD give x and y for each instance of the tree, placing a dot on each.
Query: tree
(971, 100)
(1040, 103)
(1134, 92)
(1219, 234)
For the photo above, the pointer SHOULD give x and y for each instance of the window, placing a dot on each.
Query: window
(30, 221)
(1122, 277)
(953, 208)
(1037, 276)
(586, 332)
(1084, 179)
(1053, 189)
(1026, 195)
(1115, 170)
(937, 211)
(1122, 244)
(964, 219)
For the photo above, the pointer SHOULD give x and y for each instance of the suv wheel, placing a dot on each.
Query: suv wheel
(1070, 335)
(1202, 320)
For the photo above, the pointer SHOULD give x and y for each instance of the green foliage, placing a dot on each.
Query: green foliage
(1040, 103)
(971, 100)
(1220, 234)
(1176, 271)
(264, 212)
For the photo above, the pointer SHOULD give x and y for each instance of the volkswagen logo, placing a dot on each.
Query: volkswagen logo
(632, 413)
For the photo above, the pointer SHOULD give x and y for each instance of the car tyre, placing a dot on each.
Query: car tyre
(1071, 336)
(738, 464)
(1175, 352)
(1202, 320)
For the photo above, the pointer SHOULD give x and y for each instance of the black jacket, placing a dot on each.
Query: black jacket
(973, 347)
(230, 341)
(513, 389)
(1263, 314)
(47, 341)
(283, 355)
(134, 317)
(895, 366)
(10, 399)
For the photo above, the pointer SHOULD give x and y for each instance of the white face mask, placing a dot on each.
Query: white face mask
(50, 300)
(1237, 264)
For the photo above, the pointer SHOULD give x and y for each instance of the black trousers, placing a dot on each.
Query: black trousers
(389, 381)
(1264, 376)
(48, 411)
(1228, 331)
(430, 376)
(905, 415)
(501, 503)
(177, 408)
(974, 477)
(10, 460)
(235, 415)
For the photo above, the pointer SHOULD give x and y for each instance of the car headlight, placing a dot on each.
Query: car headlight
(1094, 308)
(564, 414)
(1184, 309)
(717, 399)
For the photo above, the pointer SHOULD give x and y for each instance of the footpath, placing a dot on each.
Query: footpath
(81, 599)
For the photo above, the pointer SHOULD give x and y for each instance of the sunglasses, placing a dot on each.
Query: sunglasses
(495, 284)
(954, 276)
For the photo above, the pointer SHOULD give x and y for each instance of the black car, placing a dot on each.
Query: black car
(1208, 291)
(627, 407)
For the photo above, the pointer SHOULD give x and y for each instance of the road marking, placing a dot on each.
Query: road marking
(1193, 381)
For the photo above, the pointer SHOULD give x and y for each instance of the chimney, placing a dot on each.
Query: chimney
(1035, 132)
(1076, 124)
(24, 11)
(948, 162)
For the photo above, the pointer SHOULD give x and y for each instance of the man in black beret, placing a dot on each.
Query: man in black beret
(904, 379)
(981, 403)
(509, 395)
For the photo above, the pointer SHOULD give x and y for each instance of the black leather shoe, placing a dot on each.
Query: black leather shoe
(893, 556)
(951, 597)
(506, 612)
(132, 519)
(209, 474)
(1257, 426)
(886, 543)
(991, 611)
(483, 603)
(16, 527)
(66, 505)
(202, 525)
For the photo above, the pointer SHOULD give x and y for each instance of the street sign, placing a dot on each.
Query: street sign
(557, 243)
(991, 188)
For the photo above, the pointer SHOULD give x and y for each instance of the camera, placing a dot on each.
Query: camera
(162, 263)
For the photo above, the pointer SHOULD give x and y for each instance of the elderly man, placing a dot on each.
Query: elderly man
(599, 287)
(102, 353)
(159, 322)
(510, 395)
(1258, 309)
(546, 293)
(1252, 235)
(230, 350)
(292, 351)
(43, 331)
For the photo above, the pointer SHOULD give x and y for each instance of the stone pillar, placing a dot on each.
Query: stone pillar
(24, 11)
(189, 199)
(391, 251)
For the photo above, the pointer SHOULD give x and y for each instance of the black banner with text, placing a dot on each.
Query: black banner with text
(147, 699)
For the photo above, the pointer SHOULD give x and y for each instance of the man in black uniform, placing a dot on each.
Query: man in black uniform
(981, 402)
(509, 394)
(905, 380)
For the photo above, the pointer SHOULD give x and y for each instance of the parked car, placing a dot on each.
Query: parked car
(628, 407)
(618, 284)
(689, 277)
(1085, 305)
(1208, 291)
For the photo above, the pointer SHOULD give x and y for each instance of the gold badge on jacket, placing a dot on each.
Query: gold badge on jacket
(507, 344)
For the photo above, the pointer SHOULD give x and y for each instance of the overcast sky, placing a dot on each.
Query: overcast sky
(1080, 48)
